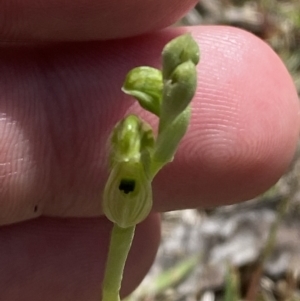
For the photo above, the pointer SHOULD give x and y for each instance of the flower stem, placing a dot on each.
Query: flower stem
(120, 243)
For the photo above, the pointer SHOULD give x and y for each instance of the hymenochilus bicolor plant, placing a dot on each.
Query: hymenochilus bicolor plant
(136, 154)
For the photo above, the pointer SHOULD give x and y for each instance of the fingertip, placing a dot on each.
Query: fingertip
(244, 128)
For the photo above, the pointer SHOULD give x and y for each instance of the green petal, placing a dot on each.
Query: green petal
(131, 137)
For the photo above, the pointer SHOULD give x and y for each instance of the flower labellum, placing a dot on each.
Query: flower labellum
(127, 198)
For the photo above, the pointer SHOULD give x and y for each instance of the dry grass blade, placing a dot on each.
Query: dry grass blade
(168, 278)
(232, 285)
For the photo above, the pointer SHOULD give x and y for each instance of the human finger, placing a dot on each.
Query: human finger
(85, 20)
(60, 102)
(64, 259)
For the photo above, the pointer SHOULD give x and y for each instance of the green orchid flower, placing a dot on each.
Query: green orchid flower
(127, 198)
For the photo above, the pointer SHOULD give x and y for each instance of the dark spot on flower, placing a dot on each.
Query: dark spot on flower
(127, 185)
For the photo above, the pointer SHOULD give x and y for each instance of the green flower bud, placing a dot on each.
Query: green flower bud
(178, 51)
(178, 91)
(145, 85)
(127, 198)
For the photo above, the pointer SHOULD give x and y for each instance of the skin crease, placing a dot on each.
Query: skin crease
(58, 103)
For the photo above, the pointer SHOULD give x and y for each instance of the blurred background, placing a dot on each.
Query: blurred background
(249, 251)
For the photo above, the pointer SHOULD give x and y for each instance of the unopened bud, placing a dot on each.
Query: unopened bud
(179, 50)
(145, 85)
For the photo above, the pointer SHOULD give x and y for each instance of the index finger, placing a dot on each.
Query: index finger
(83, 20)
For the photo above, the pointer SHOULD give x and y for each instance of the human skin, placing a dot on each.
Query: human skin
(58, 104)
